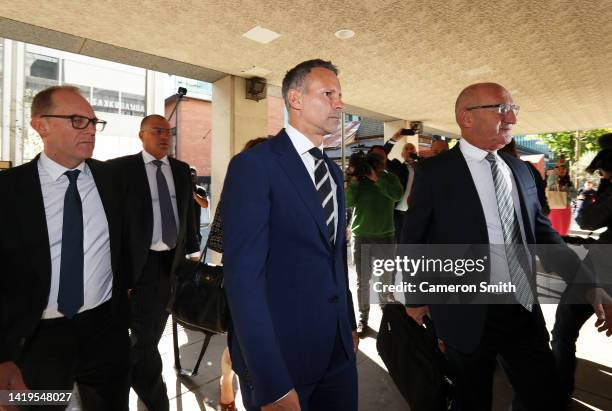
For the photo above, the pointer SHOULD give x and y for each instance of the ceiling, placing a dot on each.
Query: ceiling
(408, 59)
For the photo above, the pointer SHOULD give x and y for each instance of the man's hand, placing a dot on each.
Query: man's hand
(604, 318)
(288, 403)
(397, 136)
(10, 377)
(355, 341)
(417, 313)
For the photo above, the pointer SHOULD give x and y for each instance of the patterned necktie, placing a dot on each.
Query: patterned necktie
(70, 294)
(165, 207)
(515, 252)
(324, 188)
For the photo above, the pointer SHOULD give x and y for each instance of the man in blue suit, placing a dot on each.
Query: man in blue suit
(292, 339)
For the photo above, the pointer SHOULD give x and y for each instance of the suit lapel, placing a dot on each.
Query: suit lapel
(337, 176)
(522, 198)
(293, 166)
(34, 224)
(142, 186)
(471, 204)
(179, 188)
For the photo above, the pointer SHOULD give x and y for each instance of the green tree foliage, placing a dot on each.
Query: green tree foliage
(565, 142)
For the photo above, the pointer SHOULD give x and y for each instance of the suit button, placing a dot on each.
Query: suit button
(333, 300)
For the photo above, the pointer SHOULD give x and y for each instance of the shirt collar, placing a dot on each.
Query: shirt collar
(55, 170)
(473, 153)
(301, 143)
(148, 158)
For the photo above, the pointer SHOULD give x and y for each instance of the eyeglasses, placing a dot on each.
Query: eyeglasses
(81, 122)
(502, 109)
(159, 131)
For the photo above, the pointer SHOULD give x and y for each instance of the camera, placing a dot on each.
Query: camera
(362, 164)
(182, 91)
(407, 132)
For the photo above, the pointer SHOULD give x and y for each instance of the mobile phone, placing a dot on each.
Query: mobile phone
(407, 132)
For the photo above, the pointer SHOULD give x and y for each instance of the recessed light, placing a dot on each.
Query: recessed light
(261, 35)
(344, 34)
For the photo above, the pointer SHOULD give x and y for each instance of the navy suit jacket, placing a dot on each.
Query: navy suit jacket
(286, 284)
(446, 180)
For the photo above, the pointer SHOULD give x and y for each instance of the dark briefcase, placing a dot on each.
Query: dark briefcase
(416, 364)
(197, 297)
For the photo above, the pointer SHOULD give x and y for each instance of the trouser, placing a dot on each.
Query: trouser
(568, 321)
(398, 221)
(520, 340)
(377, 248)
(91, 349)
(336, 390)
(149, 316)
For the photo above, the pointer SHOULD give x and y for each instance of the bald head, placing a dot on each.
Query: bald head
(481, 122)
(151, 118)
(471, 96)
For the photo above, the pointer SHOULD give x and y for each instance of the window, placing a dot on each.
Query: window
(105, 100)
(85, 90)
(132, 105)
(40, 72)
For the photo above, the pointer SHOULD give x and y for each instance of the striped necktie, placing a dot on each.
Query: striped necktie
(515, 251)
(324, 188)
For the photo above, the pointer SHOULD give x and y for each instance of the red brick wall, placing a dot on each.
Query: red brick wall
(194, 132)
(194, 145)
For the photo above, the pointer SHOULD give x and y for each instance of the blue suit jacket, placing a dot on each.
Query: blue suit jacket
(286, 284)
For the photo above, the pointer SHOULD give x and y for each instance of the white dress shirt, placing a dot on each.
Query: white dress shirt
(482, 176)
(157, 243)
(97, 269)
(302, 144)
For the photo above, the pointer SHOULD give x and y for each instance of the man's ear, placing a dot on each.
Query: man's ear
(465, 119)
(294, 98)
(140, 133)
(40, 125)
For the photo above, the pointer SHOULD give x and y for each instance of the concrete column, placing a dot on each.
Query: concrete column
(19, 129)
(390, 128)
(235, 120)
(5, 133)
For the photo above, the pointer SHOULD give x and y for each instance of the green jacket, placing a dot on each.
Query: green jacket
(374, 204)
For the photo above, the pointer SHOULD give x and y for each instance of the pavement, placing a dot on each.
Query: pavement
(376, 389)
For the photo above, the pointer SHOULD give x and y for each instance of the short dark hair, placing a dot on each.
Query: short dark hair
(376, 147)
(149, 117)
(42, 102)
(295, 77)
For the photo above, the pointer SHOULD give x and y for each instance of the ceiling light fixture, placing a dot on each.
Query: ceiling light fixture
(261, 35)
(344, 34)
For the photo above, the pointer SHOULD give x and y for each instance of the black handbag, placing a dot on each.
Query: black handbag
(197, 297)
(415, 363)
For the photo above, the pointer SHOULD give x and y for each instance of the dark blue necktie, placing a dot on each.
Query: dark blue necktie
(70, 295)
(165, 207)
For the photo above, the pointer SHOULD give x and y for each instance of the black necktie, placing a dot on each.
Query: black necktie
(515, 252)
(324, 188)
(165, 207)
(70, 294)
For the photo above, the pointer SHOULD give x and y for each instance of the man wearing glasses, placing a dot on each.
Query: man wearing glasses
(63, 302)
(495, 209)
(161, 229)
